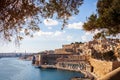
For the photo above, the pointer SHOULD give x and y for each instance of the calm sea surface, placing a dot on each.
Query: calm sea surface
(15, 69)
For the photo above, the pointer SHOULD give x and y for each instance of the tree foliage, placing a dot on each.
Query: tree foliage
(107, 19)
(108, 56)
(21, 17)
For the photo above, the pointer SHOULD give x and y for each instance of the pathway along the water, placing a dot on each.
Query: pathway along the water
(15, 69)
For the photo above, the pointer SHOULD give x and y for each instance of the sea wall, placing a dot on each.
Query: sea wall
(100, 68)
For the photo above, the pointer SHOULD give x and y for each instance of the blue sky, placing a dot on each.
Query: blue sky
(51, 36)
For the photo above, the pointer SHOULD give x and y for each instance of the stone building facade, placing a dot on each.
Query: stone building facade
(77, 56)
(64, 61)
(74, 63)
(51, 59)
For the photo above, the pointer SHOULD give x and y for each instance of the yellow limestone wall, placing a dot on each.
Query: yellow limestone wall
(100, 68)
(113, 75)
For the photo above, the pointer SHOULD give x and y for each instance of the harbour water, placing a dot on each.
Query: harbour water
(15, 69)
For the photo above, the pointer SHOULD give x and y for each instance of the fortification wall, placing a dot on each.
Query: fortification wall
(100, 68)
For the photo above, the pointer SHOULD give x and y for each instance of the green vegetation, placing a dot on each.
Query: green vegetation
(25, 15)
(108, 56)
(18, 16)
(107, 19)
(77, 43)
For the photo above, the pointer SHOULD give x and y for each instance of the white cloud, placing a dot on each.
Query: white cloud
(50, 34)
(75, 25)
(87, 36)
(97, 31)
(84, 38)
(50, 22)
(92, 33)
(88, 33)
(57, 33)
(49, 27)
(41, 33)
(69, 38)
(71, 18)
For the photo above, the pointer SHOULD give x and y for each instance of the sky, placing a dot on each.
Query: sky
(51, 36)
